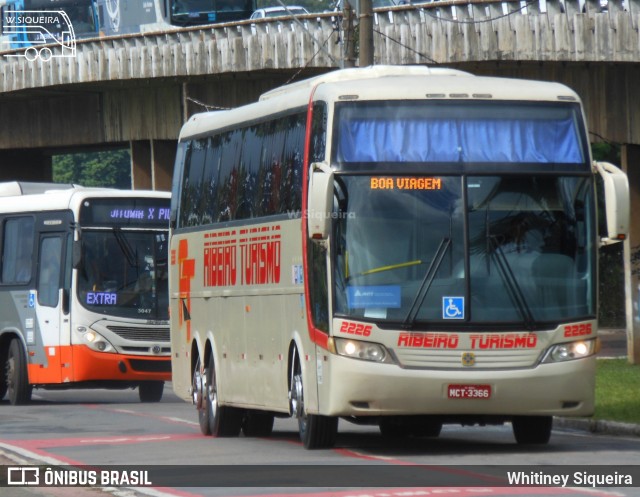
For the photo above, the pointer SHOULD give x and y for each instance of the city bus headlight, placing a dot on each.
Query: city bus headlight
(367, 351)
(97, 342)
(570, 351)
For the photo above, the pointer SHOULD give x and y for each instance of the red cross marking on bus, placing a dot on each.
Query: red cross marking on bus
(187, 269)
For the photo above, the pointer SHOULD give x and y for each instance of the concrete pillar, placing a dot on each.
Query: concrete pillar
(25, 165)
(630, 156)
(163, 158)
(141, 170)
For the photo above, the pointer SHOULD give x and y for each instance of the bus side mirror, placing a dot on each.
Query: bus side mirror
(77, 254)
(616, 201)
(320, 201)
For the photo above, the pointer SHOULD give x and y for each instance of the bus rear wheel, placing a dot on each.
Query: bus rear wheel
(223, 421)
(151, 391)
(532, 429)
(17, 377)
(316, 432)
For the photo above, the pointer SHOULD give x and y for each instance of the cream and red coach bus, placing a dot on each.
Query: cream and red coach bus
(402, 246)
(83, 289)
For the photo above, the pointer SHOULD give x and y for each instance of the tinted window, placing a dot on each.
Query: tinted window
(17, 250)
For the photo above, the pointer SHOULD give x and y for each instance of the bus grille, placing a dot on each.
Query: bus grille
(441, 359)
(141, 334)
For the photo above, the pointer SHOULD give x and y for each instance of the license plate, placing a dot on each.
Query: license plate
(469, 391)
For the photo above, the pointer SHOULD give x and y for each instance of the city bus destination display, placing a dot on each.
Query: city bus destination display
(125, 212)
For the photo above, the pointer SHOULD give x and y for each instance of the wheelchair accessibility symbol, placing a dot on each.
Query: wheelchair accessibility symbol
(452, 307)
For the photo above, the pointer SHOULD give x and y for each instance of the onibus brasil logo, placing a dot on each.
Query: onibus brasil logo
(42, 34)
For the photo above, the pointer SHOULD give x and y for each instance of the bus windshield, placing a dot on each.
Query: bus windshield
(194, 12)
(512, 250)
(469, 134)
(124, 273)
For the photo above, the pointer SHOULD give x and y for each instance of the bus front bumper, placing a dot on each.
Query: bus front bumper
(90, 365)
(361, 388)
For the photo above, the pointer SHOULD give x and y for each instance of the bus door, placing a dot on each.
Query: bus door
(52, 315)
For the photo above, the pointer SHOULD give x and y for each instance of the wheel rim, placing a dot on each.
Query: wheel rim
(212, 395)
(297, 396)
(196, 387)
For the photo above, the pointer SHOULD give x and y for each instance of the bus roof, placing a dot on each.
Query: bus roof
(16, 188)
(20, 196)
(376, 82)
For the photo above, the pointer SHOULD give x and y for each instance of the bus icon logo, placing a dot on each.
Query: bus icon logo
(452, 307)
(23, 476)
(38, 32)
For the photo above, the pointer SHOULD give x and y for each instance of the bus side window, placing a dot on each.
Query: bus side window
(49, 278)
(17, 250)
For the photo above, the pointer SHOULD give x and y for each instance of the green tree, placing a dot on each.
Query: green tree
(110, 168)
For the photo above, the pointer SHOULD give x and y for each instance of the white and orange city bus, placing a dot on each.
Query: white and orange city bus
(400, 246)
(83, 289)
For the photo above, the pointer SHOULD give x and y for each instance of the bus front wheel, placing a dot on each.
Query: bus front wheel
(16, 375)
(151, 391)
(532, 429)
(223, 421)
(316, 432)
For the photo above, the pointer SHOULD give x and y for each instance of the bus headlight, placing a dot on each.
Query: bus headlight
(367, 351)
(97, 342)
(569, 351)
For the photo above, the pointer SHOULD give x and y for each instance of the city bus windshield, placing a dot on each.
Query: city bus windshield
(511, 250)
(124, 273)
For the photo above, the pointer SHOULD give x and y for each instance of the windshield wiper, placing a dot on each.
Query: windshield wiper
(515, 292)
(426, 283)
(125, 246)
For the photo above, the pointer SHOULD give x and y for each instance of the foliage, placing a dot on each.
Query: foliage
(617, 384)
(110, 168)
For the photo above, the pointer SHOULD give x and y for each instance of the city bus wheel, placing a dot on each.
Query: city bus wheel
(3, 374)
(532, 429)
(198, 389)
(224, 421)
(17, 376)
(257, 423)
(316, 432)
(151, 391)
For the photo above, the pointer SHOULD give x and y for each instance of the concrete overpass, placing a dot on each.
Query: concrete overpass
(137, 90)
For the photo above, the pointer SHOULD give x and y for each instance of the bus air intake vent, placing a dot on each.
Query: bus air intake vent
(160, 334)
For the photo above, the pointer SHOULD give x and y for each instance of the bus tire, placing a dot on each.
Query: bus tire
(532, 429)
(224, 421)
(151, 391)
(316, 432)
(3, 373)
(17, 375)
(257, 423)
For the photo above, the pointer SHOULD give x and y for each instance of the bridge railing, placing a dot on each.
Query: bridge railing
(434, 32)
